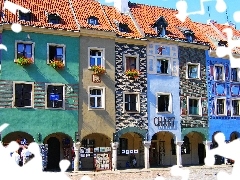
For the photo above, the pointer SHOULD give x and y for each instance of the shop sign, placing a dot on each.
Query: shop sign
(135, 151)
(165, 123)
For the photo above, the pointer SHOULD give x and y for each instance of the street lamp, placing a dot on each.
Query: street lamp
(76, 136)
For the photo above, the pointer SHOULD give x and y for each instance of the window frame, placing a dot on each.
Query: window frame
(103, 98)
(14, 95)
(63, 101)
(235, 99)
(238, 73)
(136, 56)
(225, 103)
(103, 56)
(169, 66)
(199, 104)
(24, 42)
(170, 103)
(223, 70)
(57, 45)
(198, 69)
(137, 105)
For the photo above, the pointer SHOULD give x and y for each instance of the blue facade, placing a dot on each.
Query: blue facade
(163, 84)
(223, 97)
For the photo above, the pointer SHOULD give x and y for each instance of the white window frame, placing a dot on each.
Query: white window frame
(235, 99)
(125, 61)
(32, 93)
(103, 55)
(63, 101)
(170, 103)
(137, 105)
(57, 45)
(169, 66)
(24, 42)
(103, 97)
(198, 69)
(199, 104)
(215, 72)
(225, 103)
(238, 75)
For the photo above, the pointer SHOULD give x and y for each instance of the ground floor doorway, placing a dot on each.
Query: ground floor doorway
(53, 153)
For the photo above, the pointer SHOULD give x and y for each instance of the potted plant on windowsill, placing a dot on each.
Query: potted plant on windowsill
(132, 73)
(23, 61)
(57, 64)
(98, 70)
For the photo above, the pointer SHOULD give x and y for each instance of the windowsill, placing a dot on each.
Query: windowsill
(194, 78)
(162, 74)
(193, 115)
(93, 109)
(165, 112)
(15, 60)
(222, 80)
(131, 112)
(236, 115)
(25, 107)
(221, 115)
(235, 81)
(50, 108)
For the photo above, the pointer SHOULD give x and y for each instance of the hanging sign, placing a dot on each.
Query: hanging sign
(54, 97)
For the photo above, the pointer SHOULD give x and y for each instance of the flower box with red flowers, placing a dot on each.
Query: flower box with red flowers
(99, 70)
(23, 61)
(132, 73)
(56, 64)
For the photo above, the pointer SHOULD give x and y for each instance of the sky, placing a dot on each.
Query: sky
(194, 5)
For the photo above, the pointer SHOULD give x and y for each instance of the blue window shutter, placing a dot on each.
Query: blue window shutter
(92, 61)
(28, 50)
(99, 61)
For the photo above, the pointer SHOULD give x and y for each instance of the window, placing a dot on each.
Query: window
(194, 106)
(234, 74)
(193, 71)
(56, 52)
(55, 96)
(131, 62)
(123, 146)
(221, 103)
(219, 72)
(131, 102)
(96, 57)
(54, 18)
(96, 98)
(123, 28)
(93, 20)
(24, 16)
(163, 66)
(23, 94)
(189, 35)
(164, 104)
(235, 107)
(24, 49)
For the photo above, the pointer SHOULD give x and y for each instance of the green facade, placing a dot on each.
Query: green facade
(38, 119)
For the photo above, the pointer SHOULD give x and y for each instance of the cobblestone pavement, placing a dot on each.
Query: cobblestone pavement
(196, 173)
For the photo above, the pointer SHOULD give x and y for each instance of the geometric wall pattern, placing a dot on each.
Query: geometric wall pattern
(192, 87)
(124, 84)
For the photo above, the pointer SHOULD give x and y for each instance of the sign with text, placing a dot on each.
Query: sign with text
(167, 123)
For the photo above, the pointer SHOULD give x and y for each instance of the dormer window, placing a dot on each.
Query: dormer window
(93, 20)
(222, 43)
(123, 28)
(25, 16)
(160, 25)
(54, 19)
(189, 35)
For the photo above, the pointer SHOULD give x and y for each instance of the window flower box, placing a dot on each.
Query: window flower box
(132, 73)
(56, 64)
(98, 70)
(23, 61)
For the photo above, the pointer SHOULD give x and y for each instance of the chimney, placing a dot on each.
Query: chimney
(231, 24)
(121, 5)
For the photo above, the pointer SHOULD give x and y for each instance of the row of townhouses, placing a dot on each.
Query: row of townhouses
(116, 81)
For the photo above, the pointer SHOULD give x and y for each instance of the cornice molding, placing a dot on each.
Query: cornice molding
(212, 53)
(143, 42)
(97, 33)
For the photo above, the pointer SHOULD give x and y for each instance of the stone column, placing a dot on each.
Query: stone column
(147, 145)
(207, 146)
(76, 158)
(114, 155)
(178, 152)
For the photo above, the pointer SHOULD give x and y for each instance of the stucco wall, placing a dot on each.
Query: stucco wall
(165, 84)
(97, 121)
(226, 124)
(41, 120)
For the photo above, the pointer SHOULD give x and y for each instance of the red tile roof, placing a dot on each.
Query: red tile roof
(146, 16)
(87, 8)
(115, 16)
(39, 8)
